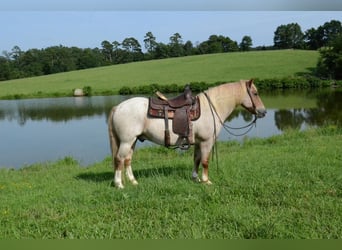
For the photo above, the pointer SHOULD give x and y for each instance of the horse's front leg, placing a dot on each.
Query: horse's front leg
(205, 155)
(205, 173)
(201, 156)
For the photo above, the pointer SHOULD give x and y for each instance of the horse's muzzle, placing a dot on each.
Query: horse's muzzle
(260, 113)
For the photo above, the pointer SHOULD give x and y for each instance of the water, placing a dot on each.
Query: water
(39, 130)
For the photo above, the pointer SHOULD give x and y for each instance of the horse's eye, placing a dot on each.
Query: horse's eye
(255, 94)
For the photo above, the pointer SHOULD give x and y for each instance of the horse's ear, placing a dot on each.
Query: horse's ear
(249, 83)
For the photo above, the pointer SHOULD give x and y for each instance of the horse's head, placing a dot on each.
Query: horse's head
(252, 101)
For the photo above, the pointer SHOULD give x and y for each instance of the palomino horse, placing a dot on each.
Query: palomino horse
(129, 121)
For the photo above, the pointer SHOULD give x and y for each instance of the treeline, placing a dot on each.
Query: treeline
(36, 62)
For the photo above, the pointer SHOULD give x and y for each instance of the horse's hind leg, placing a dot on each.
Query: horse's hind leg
(123, 159)
(119, 162)
(128, 166)
(197, 161)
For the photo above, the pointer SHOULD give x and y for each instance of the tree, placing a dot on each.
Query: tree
(312, 39)
(133, 49)
(218, 44)
(16, 53)
(215, 44)
(246, 43)
(331, 30)
(288, 36)
(118, 54)
(176, 45)
(317, 38)
(88, 58)
(203, 47)
(58, 59)
(229, 45)
(162, 51)
(150, 44)
(107, 51)
(131, 45)
(330, 61)
(5, 69)
(188, 48)
(31, 63)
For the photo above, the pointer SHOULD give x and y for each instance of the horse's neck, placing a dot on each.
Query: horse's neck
(225, 98)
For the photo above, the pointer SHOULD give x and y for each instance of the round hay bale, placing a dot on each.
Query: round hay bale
(78, 92)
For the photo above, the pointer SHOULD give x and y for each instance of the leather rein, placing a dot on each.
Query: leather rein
(226, 126)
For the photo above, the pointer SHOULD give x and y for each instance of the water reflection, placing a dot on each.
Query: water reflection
(47, 129)
(329, 109)
(56, 109)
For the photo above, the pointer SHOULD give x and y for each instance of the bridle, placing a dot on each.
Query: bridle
(250, 94)
(227, 127)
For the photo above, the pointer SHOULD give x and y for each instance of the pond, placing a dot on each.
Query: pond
(39, 130)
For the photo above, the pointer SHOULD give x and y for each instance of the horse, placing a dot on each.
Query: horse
(129, 121)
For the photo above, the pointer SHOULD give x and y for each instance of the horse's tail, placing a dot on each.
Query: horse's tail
(113, 139)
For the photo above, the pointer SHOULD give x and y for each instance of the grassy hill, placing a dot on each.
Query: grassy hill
(208, 68)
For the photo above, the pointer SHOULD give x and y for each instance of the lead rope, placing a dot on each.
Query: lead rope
(214, 135)
(226, 127)
(250, 125)
(215, 150)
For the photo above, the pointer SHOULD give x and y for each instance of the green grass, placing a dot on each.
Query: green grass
(287, 186)
(208, 68)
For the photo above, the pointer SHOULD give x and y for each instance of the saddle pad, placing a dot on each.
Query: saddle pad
(180, 123)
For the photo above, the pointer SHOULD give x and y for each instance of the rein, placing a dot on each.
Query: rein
(225, 126)
(250, 125)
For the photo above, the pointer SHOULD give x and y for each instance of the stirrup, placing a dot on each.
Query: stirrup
(186, 145)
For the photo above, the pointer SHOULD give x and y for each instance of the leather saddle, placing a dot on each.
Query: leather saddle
(182, 110)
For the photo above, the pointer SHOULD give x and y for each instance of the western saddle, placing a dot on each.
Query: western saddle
(182, 110)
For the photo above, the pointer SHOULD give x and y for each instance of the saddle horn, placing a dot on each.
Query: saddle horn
(161, 96)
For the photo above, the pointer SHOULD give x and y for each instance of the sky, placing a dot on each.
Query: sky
(184, 5)
(86, 25)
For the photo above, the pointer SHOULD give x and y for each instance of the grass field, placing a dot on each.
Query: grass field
(208, 68)
(283, 187)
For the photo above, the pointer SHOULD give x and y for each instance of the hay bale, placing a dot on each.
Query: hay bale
(78, 92)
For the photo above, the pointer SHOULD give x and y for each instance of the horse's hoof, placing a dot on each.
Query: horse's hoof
(196, 179)
(134, 182)
(119, 185)
(207, 182)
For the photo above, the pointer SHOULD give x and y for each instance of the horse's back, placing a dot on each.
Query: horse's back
(135, 107)
(132, 103)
